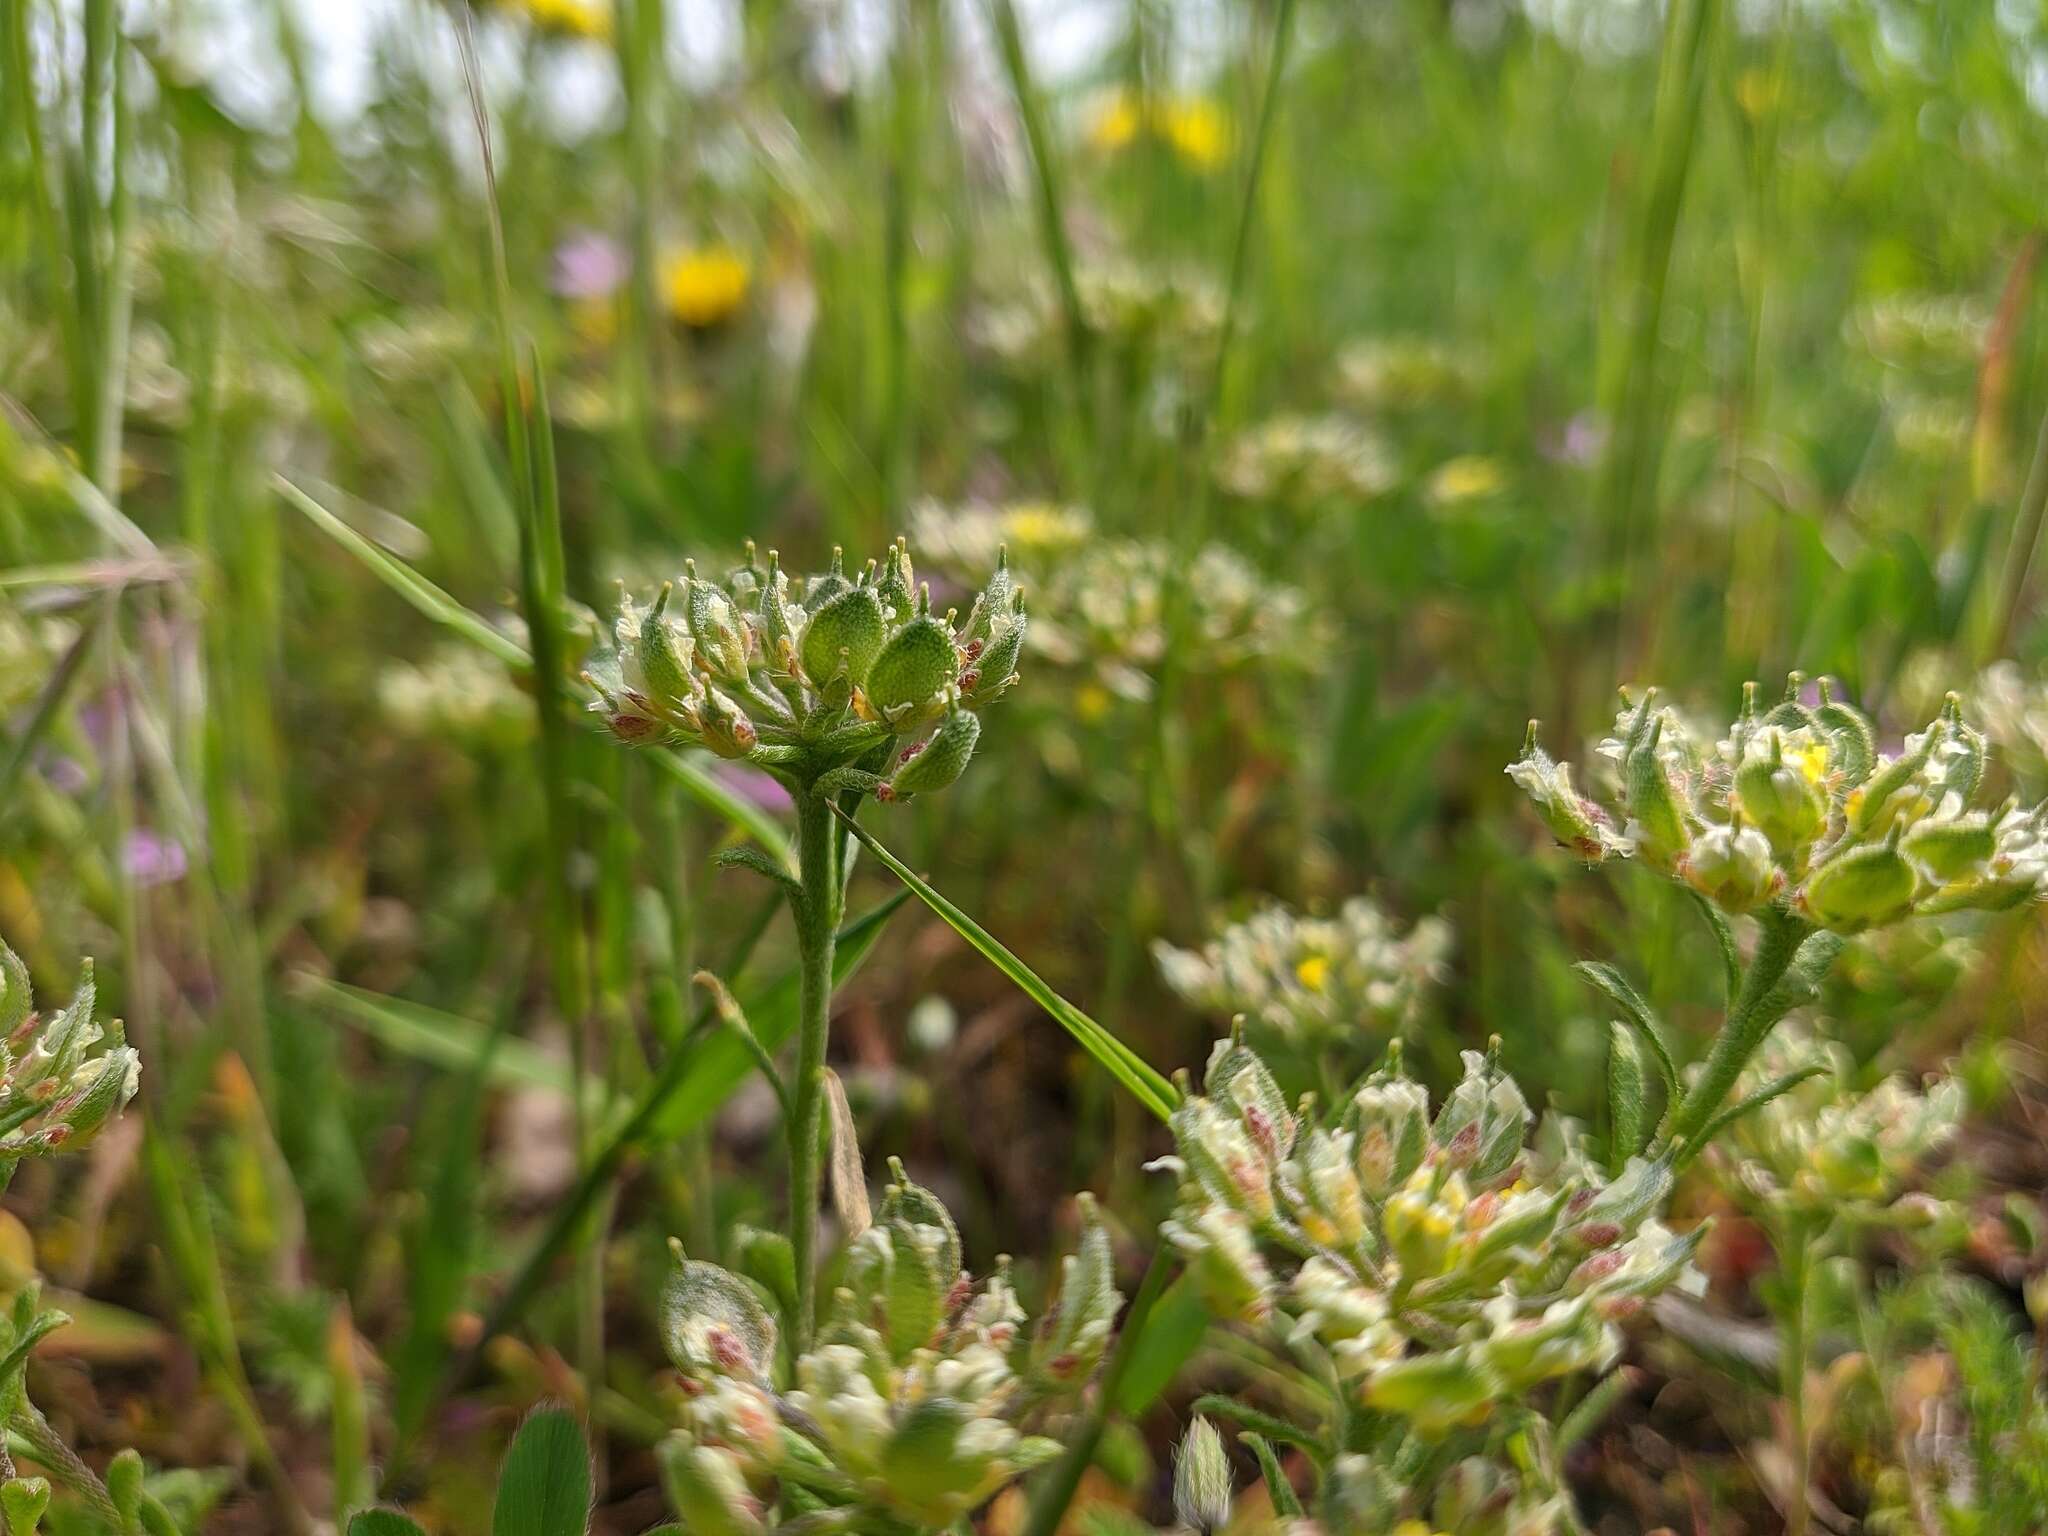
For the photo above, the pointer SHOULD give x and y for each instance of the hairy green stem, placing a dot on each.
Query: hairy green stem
(1749, 1020)
(816, 909)
(1796, 1258)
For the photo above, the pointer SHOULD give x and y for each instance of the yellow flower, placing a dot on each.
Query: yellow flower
(1193, 127)
(1117, 122)
(1313, 972)
(1415, 1528)
(1091, 702)
(567, 18)
(1196, 129)
(1811, 761)
(1467, 478)
(703, 286)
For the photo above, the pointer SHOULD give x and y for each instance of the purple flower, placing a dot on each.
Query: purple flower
(1581, 441)
(755, 787)
(588, 265)
(150, 859)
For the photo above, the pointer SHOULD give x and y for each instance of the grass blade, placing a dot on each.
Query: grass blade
(1119, 1060)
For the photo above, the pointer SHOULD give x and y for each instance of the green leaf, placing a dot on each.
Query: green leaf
(1167, 1340)
(544, 1485)
(1627, 1114)
(1777, 1088)
(444, 1039)
(1285, 1502)
(1640, 1014)
(383, 1522)
(712, 792)
(746, 856)
(1119, 1060)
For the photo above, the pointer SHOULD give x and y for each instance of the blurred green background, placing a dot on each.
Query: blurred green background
(1350, 383)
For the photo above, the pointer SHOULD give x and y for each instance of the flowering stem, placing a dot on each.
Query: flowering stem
(1749, 1019)
(816, 909)
(1796, 1258)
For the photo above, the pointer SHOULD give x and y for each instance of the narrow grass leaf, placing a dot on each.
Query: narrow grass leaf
(383, 1522)
(1119, 1060)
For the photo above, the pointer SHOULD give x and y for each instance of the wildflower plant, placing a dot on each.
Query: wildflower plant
(63, 1079)
(1439, 1273)
(1796, 820)
(1314, 986)
(842, 688)
(925, 1392)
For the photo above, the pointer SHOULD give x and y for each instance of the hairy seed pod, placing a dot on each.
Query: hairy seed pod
(915, 663)
(844, 631)
(941, 760)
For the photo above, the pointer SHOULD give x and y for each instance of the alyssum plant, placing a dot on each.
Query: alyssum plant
(57, 1092)
(919, 1397)
(1795, 820)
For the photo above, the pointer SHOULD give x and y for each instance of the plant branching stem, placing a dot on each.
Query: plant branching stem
(1796, 1255)
(1749, 1020)
(816, 909)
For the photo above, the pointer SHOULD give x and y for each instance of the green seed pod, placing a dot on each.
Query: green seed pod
(663, 655)
(1616, 1211)
(707, 1487)
(1483, 1120)
(1072, 1344)
(1331, 1206)
(1390, 1117)
(1220, 1152)
(915, 663)
(1869, 807)
(16, 995)
(994, 603)
(994, 667)
(726, 730)
(1657, 820)
(1864, 888)
(1962, 757)
(1240, 1082)
(1419, 1229)
(96, 1093)
(939, 761)
(782, 620)
(898, 581)
(905, 1201)
(830, 585)
(712, 1322)
(1853, 738)
(1202, 1492)
(919, 1282)
(1956, 849)
(1780, 797)
(845, 632)
(1731, 866)
(715, 624)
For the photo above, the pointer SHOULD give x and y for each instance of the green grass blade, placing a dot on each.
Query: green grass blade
(709, 791)
(383, 1522)
(441, 1039)
(1119, 1060)
(401, 578)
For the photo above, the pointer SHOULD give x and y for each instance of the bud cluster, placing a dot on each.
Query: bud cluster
(458, 694)
(1174, 311)
(1110, 596)
(54, 1095)
(1309, 459)
(1395, 373)
(1822, 1148)
(1313, 980)
(919, 1400)
(1443, 1267)
(1797, 808)
(816, 678)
